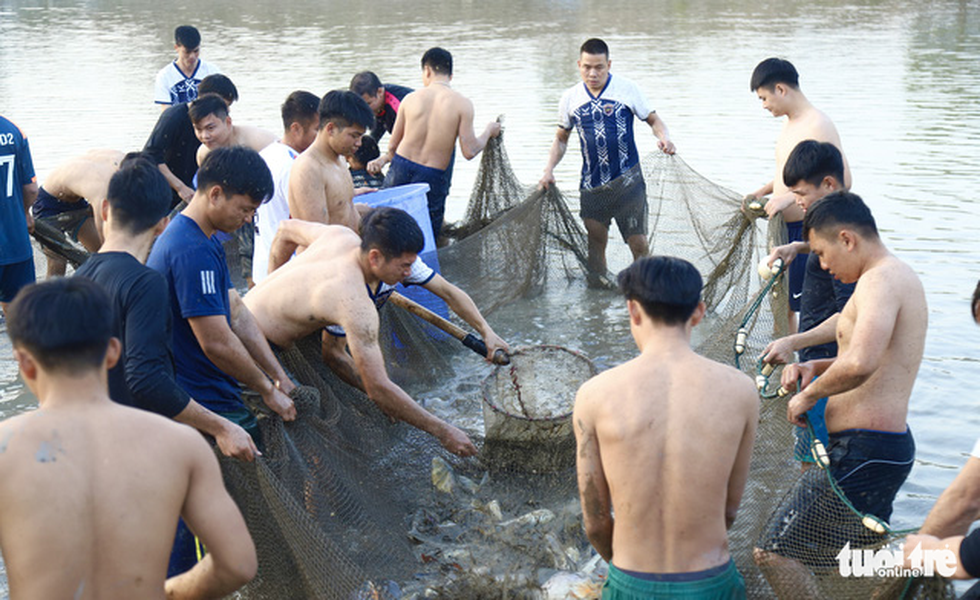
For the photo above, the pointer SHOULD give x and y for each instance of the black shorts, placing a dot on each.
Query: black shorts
(812, 524)
(797, 268)
(623, 199)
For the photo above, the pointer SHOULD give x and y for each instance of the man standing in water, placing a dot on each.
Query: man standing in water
(777, 84)
(17, 194)
(602, 110)
(423, 144)
(657, 447)
(92, 489)
(881, 334)
(178, 81)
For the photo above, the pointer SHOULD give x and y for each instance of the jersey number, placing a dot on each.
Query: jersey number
(9, 161)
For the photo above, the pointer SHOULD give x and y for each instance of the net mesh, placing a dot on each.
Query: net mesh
(346, 504)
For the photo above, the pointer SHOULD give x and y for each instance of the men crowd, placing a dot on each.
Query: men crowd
(169, 334)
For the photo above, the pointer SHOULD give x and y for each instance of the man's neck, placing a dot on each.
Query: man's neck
(798, 105)
(137, 246)
(197, 212)
(364, 263)
(441, 80)
(602, 86)
(67, 391)
(874, 253)
(187, 69)
(655, 339)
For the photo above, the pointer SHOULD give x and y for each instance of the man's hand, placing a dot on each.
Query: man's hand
(787, 252)
(30, 221)
(546, 180)
(374, 167)
(778, 204)
(457, 442)
(494, 343)
(235, 442)
(280, 403)
(185, 193)
(778, 352)
(799, 404)
(493, 129)
(364, 190)
(666, 146)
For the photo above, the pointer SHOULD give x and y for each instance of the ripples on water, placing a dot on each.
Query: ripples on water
(901, 80)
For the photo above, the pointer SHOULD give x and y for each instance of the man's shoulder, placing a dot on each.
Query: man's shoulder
(398, 91)
(182, 237)
(8, 127)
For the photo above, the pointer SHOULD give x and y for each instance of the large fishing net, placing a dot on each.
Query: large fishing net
(346, 504)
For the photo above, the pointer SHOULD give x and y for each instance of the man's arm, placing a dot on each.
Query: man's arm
(918, 544)
(232, 440)
(360, 321)
(30, 196)
(202, 151)
(788, 252)
(958, 506)
(293, 235)
(660, 131)
(213, 517)
(156, 146)
(557, 152)
(740, 470)
(307, 196)
(781, 351)
(183, 190)
(226, 351)
(469, 143)
(777, 204)
(461, 304)
(592, 485)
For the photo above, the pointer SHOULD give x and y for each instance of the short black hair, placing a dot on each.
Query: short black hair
(218, 84)
(238, 170)
(139, 195)
(187, 36)
(300, 107)
(667, 288)
(772, 71)
(368, 150)
(345, 108)
(365, 82)
(392, 231)
(837, 210)
(594, 46)
(207, 104)
(439, 60)
(811, 161)
(65, 323)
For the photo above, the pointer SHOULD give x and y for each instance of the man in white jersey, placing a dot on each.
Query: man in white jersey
(177, 82)
(301, 122)
(602, 111)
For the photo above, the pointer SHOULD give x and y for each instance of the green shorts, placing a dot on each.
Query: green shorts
(718, 583)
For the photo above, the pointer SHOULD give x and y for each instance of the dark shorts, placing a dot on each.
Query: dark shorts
(15, 276)
(796, 268)
(719, 583)
(402, 171)
(812, 524)
(67, 217)
(804, 441)
(623, 199)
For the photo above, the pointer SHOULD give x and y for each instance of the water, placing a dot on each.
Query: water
(901, 80)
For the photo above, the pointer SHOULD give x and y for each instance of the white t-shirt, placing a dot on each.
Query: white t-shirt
(279, 158)
(173, 87)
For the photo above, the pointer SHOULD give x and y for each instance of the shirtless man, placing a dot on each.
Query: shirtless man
(881, 334)
(324, 286)
(213, 127)
(646, 453)
(423, 143)
(64, 200)
(89, 503)
(813, 170)
(776, 82)
(612, 185)
(320, 186)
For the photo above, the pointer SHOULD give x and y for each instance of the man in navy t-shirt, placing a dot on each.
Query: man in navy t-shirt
(216, 340)
(602, 110)
(18, 190)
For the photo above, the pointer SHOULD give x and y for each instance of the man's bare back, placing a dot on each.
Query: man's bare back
(810, 124)
(889, 291)
(675, 453)
(85, 177)
(315, 291)
(430, 121)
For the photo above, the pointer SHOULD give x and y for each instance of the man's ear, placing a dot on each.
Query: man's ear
(113, 352)
(698, 313)
(636, 313)
(26, 363)
(848, 238)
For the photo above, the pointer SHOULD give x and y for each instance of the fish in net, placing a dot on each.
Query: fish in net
(346, 504)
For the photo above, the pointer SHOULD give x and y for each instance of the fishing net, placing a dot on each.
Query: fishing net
(346, 504)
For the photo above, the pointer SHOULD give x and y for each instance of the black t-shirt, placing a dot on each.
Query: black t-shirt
(173, 142)
(823, 295)
(385, 122)
(144, 375)
(970, 553)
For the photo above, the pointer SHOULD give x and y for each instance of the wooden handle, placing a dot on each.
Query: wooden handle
(469, 340)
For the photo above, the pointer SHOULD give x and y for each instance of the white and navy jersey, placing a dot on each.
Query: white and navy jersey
(279, 158)
(173, 87)
(605, 127)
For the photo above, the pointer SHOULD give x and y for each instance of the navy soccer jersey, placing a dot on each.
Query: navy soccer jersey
(605, 127)
(16, 171)
(197, 274)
